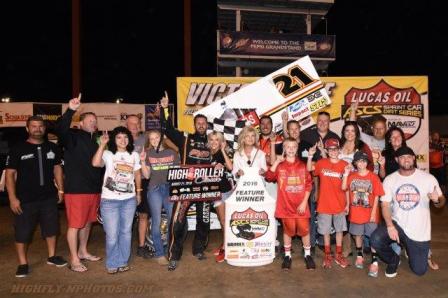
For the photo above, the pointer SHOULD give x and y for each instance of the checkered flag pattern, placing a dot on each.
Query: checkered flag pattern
(229, 128)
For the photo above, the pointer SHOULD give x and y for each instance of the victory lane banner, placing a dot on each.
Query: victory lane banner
(195, 183)
(295, 88)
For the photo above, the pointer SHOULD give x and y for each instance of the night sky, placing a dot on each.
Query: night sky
(134, 49)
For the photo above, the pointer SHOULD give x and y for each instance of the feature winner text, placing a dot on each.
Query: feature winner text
(249, 195)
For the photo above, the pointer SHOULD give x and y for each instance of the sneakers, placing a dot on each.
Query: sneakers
(328, 259)
(57, 261)
(162, 261)
(309, 263)
(172, 265)
(391, 270)
(217, 251)
(124, 268)
(201, 256)
(220, 257)
(286, 265)
(341, 261)
(359, 263)
(373, 270)
(22, 270)
(143, 252)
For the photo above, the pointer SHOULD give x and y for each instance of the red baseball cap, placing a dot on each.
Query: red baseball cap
(331, 143)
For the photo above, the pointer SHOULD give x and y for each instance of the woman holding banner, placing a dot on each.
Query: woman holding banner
(155, 165)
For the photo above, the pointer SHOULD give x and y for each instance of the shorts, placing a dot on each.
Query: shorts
(44, 213)
(81, 209)
(362, 229)
(296, 226)
(324, 222)
(224, 197)
(143, 207)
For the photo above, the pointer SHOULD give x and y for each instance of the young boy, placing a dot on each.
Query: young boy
(363, 189)
(294, 186)
(332, 205)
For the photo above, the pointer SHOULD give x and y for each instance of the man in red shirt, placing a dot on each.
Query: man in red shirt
(294, 186)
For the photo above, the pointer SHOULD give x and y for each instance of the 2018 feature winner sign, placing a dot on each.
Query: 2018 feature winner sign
(295, 88)
(195, 183)
(250, 223)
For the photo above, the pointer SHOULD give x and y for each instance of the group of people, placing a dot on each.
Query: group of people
(319, 180)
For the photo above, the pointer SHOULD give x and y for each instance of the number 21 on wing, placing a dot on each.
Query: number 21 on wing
(294, 81)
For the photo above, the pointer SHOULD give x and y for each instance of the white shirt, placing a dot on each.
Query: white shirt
(374, 143)
(410, 202)
(257, 160)
(118, 181)
(346, 157)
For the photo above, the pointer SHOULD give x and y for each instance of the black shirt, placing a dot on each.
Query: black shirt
(186, 143)
(310, 136)
(224, 185)
(34, 164)
(79, 148)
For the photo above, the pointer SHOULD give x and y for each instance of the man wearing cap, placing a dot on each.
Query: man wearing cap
(332, 205)
(408, 221)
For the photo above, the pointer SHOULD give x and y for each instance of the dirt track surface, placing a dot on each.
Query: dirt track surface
(206, 278)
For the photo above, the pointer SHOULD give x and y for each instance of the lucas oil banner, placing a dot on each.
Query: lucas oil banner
(403, 101)
(195, 183)
(295, 88)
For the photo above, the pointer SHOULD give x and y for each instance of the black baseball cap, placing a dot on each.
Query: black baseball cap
(404, 150)
(360, 155)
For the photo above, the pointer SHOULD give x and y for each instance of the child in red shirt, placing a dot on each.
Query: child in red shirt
(294, 187)
(332, 205)
(363, 190)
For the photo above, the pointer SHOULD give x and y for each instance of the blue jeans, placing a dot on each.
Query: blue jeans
(157, 197)
(417, 250)
(118, 216)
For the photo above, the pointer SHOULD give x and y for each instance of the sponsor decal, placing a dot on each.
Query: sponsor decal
(28, 156)
(249, 224)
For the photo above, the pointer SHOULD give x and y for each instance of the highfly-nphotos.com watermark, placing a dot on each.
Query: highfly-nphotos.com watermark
(80, 289)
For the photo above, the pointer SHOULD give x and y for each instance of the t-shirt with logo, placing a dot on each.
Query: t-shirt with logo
(293, 180)
(119, 175)
(362, 191)
(160, 162)
(410, 202)
(34, 164)
(331, 197)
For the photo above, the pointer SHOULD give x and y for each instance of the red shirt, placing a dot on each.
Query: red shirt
(293, 180)
(362, 191)
(265, 146)
(332, 199)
